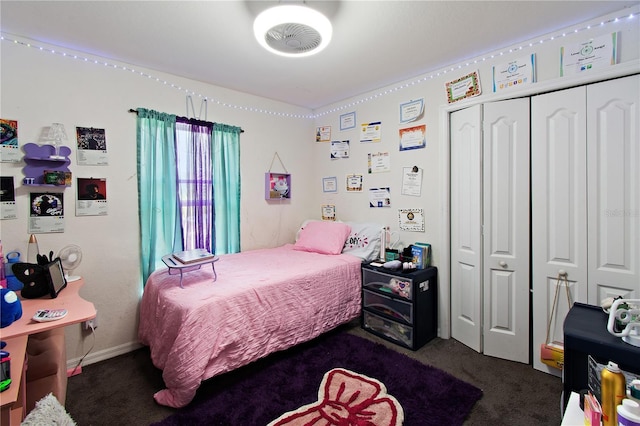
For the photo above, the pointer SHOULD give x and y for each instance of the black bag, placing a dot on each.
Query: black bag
(34, 277)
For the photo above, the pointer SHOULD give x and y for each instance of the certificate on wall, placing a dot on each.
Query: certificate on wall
(521, 71)
(464, 87)
(9, 149)
(411, 181)
(379, 197)
(379, 162)
(339, 149)
(354, 183)
(328, 212)
(413, 137)
(348, 121)
(411, 111)
(599, 52)
(330, 184)
(411, 220)
(92, 147)
(370, 132)
(323, 134)
(46, 212)
(8, 209)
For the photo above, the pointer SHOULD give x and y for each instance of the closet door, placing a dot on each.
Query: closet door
(506, 198)
(559, 226)
(490, 228)
(466, 216)
(613, 181)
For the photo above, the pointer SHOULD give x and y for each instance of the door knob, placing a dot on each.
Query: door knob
(562, 273)
(503, 263)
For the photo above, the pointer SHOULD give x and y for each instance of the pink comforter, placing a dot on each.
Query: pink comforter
(263, 301)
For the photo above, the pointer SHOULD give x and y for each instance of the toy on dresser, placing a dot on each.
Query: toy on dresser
(10, 307)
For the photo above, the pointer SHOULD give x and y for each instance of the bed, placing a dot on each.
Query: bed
(263, 301)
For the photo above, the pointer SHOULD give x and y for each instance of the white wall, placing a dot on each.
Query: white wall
(39, 88)
(384, 104)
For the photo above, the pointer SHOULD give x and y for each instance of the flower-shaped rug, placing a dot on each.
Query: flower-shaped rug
(347, 398)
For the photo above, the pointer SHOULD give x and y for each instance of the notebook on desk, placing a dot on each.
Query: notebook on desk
(192, 256)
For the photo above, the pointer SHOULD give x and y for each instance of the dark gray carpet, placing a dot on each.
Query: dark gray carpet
(120, 390)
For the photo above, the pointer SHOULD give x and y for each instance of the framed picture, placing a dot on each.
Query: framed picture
(330, 184)
(348, 121)
(277, 186)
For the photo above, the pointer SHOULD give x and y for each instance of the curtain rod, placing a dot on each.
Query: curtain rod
(131, 110)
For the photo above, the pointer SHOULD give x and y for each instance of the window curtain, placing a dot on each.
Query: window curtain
(160, 231)
(195, 184)
(226, 181)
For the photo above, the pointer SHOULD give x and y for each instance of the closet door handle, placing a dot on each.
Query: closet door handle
(503, 264)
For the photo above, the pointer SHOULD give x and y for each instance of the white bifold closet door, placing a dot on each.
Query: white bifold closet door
(490, 198)
(585, 199)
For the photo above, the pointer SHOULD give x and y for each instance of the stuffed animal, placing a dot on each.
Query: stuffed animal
(10, 307)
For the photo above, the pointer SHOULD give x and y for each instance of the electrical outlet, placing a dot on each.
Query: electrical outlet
(92, 323)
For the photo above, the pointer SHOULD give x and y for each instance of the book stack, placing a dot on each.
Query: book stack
(421, 253)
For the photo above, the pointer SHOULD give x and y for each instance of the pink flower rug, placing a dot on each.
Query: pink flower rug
(347, 398)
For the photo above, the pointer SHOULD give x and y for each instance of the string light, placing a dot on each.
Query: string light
(315, 115)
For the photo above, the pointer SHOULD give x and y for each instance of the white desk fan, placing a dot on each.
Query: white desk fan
(629, 316)
(70, 257)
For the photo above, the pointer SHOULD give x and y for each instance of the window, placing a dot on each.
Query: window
(188, 186)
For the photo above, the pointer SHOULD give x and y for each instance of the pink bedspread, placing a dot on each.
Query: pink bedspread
(263, 301)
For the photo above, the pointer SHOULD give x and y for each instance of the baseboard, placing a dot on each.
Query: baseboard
(104, 354)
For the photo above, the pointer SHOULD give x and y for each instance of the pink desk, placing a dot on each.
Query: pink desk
(79, 310)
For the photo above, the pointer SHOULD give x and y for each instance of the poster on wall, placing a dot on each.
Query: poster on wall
(370, 132)
(411, 220)
(378, 162)
(599, 52)
(92, 147)
(413, 137)
(323, 134)
(379, 197)
(9, 149)
(46, 212)
(92, 197)
(339, 149)
(521, 71)
(467, 86)
(8, 208)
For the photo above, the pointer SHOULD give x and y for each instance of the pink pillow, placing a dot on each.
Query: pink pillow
(323, 237)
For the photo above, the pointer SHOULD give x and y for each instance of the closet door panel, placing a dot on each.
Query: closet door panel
(559, 216)
(506, 198)
(613, 157)
(466, 239)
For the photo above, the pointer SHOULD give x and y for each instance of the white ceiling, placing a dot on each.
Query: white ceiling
(375, 43)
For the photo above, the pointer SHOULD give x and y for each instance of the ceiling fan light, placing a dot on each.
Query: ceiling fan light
(293, 31)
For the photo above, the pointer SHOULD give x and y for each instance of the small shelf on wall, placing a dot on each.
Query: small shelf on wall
(277, 186)
(41, 158)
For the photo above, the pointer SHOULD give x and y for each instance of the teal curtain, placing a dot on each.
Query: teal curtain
(160, 231)
(226, 184)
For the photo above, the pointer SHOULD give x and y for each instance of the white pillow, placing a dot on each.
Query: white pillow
(363, 241)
